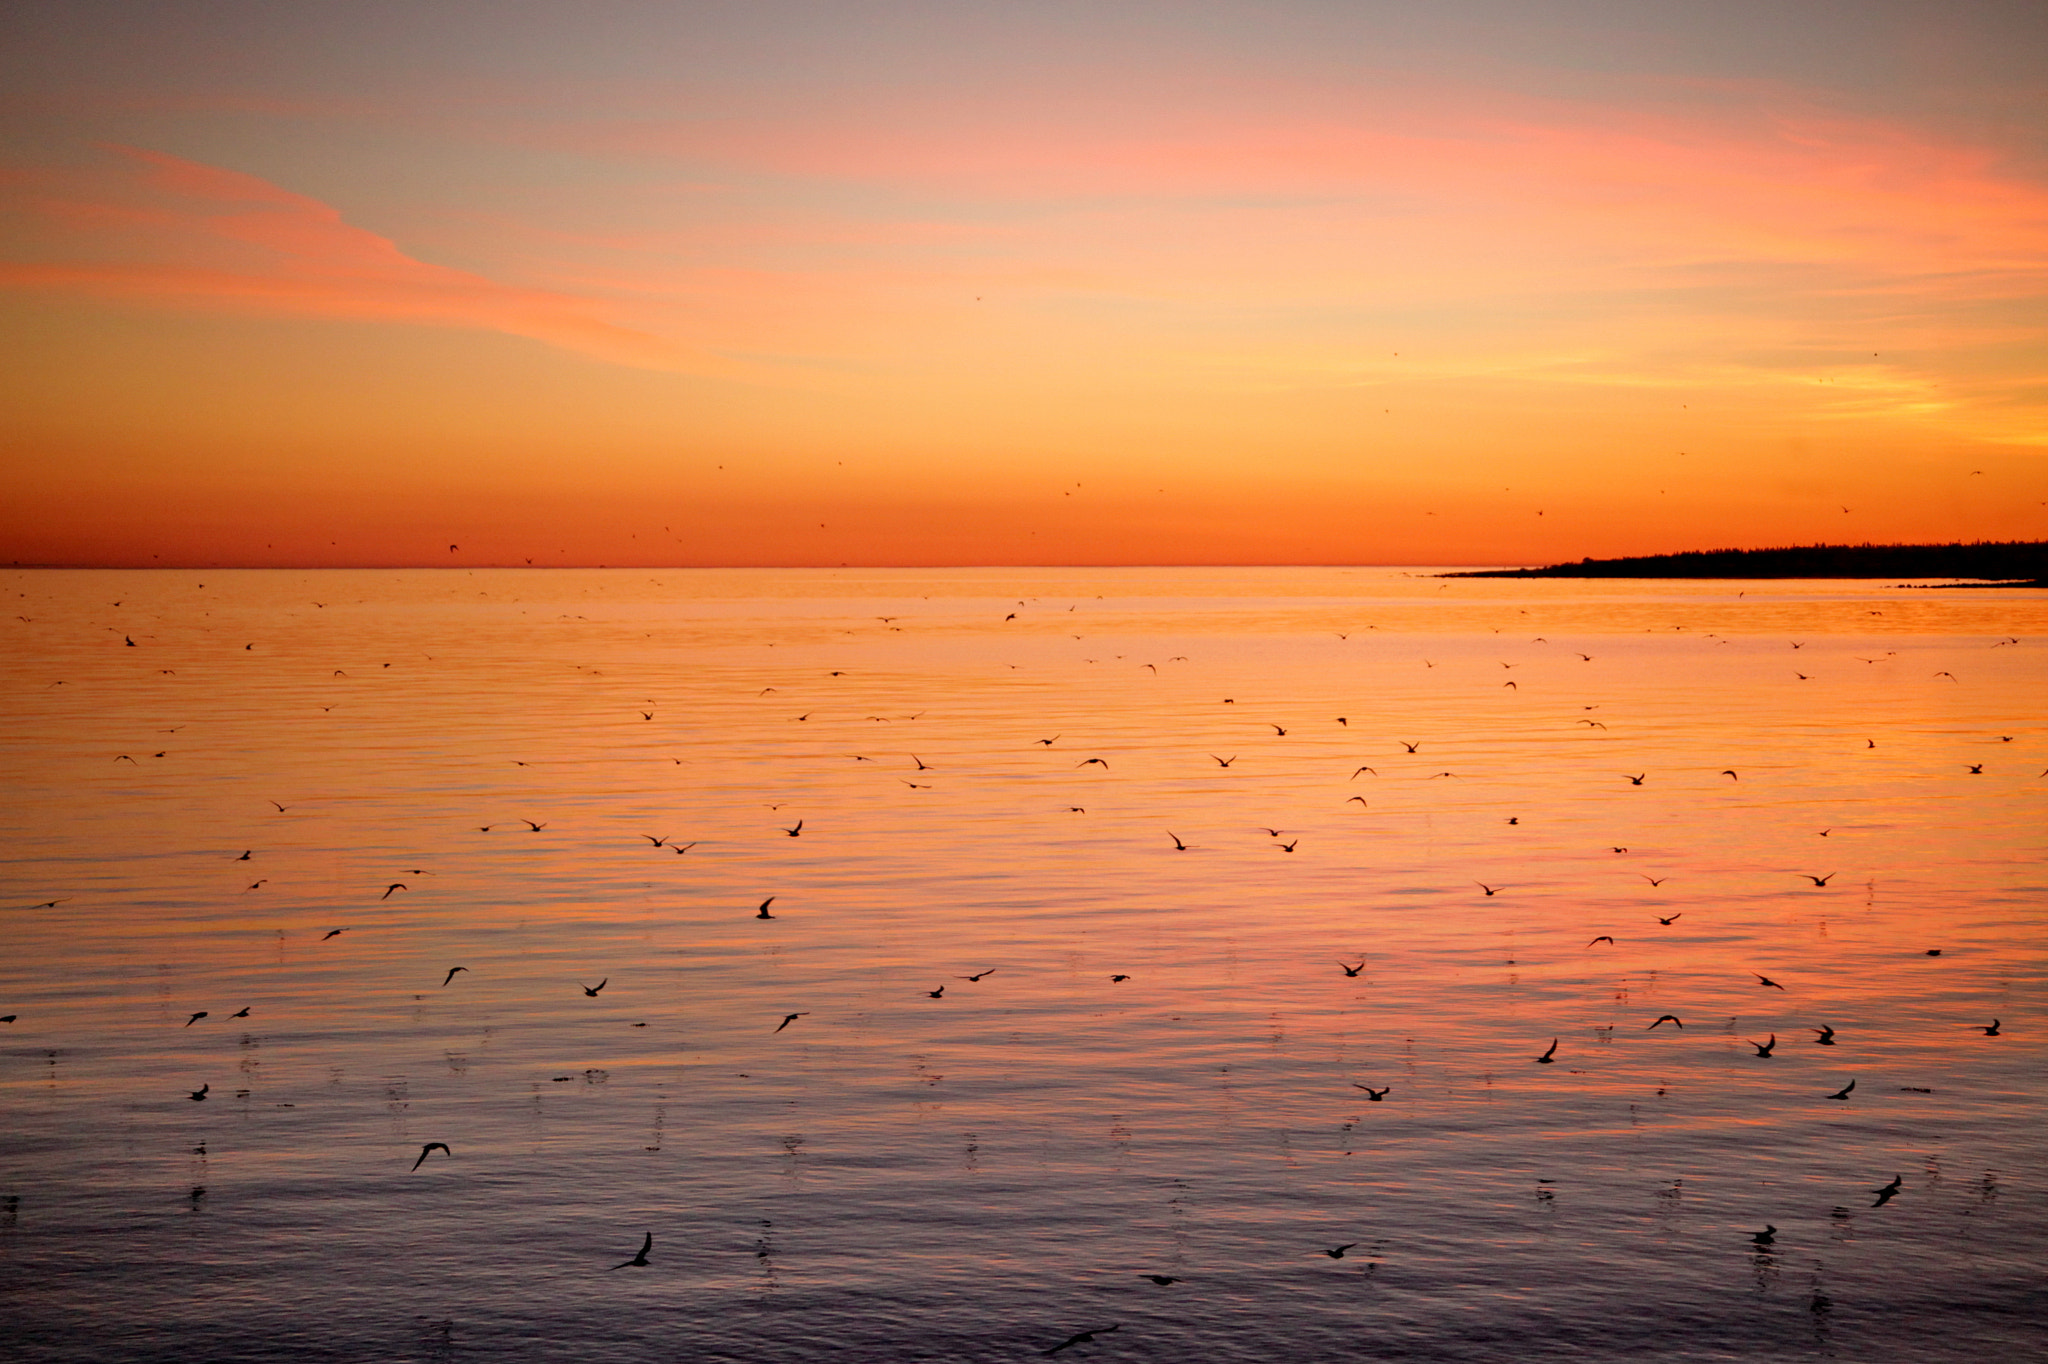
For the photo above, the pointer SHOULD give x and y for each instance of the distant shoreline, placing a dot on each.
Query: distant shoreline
(2002, 563)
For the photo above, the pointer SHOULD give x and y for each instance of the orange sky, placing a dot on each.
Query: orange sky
(961, 284)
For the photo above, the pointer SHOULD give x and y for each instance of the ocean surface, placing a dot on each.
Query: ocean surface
(1097, 897)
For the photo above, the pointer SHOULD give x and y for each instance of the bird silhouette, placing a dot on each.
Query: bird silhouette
(1765, 1237)
(451, 975)
(1049, 742)
(1288, 847)
(1766, 1048)
(1843, 1092)
(640, 1258)
(1820, 880)
(1977, 768)
(1081, 1338)
(1352, 970)
(1374, 1095)
(1670, 921)
(1410, 747)
(1490, 890)
(1097, 761)
(1888, 1192)
(1991, 1031)
(1766, 980)
(533, 826)
(395, 885)
(991, 971)
(591, 990)
(243, 858)
(241, 1013)
(428, 1149)
(1354, 775)
(1636, 780)
(797, 831)
(1606, 938)
(1337, 1252)
(762, 912)
(1224, 762)
(332, 933)
(1666, 1018)
(1178, 845)
(1826, 1037)
(936, 994)
(1161, 1279)
(199, 1094)
(1118, 980)
(1729, 773)
(195, 1018)
(1549, 1056)
(788, 1019)
(1653, 880)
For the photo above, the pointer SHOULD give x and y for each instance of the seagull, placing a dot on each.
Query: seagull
(244, 1013)
(1653, 880)
(1636, 780)
(244, 857)
(1352, 970)
(1080, 1338)
(1843, 1092)
(195, 1018)
(797, 831)
(1338, 1252)
(1666, 1018)
(1354, 775)
(592, 990)
(430, 1148)
(1766, 980)
(936, 994)
(991, 971)
(1765, 1048)
(1224, 762)
(1178, 845)
(451, 975)
(1604, 937)
(1490, 890)
(1766, 1236)
(1086, 761)
(199, 1094)
(1549, 1056)
(1888, 1192)
(788, 1019)
(395, 885)
(1820, 880)
(1161, 1279)
(1375, 1095)
(681, 848)
(639, 1259)
(657, 842)
(1991, 1031)
(1670, 921)
(333, 933)
(1049, 742)
(1410, 747)
(762, 912)
(1729, 773)
(1288, 847)
(531, 825)
(1826, 1037)
(1117, 980)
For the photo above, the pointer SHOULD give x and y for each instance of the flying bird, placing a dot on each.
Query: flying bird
(1826, 1037)
(1178, 845)
(1636, 780)
(762, 912)
(991, 971)
(1820, 880)
(1653, 880)
(1354, 775)
(1086, 761)
(1352, 970)
(591, 990)
(1991, 1031)
(1374, 1095)
(243, 1013)
(1767, 981)
(1765, 1237)
(1337, 1253)
(1549, 1056)
(788, 1019)
(797, 831)
(639, 1259)
(451, 975)
(1888, 1192)
(1161, 1279)
(429, 1149)
(1224, 762)
(939, 993)
(199, 1094)
(1843, 1092)
(1410, 747)
(1081, 1338)
(1490, 890)
(195, 1018)
(1666, 1018)
(1604, 937)
(395, 885)
(1766, 1048)
(531, 825)
(1670, 921)
(333, 933)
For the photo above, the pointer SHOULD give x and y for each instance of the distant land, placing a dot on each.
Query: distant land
(2004, 563)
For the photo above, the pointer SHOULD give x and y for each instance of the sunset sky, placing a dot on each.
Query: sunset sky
(628, 282)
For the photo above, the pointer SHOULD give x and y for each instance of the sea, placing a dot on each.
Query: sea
(1202, 965)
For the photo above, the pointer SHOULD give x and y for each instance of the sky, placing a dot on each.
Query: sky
(620, 282)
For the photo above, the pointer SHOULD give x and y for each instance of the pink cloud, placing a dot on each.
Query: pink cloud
(148, 227)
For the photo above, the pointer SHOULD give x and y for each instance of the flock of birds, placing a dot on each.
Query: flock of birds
(1825, 1034)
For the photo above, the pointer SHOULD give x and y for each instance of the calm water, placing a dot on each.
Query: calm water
(981, 1175)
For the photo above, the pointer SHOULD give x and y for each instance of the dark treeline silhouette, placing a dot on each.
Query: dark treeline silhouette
(2012, 561)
